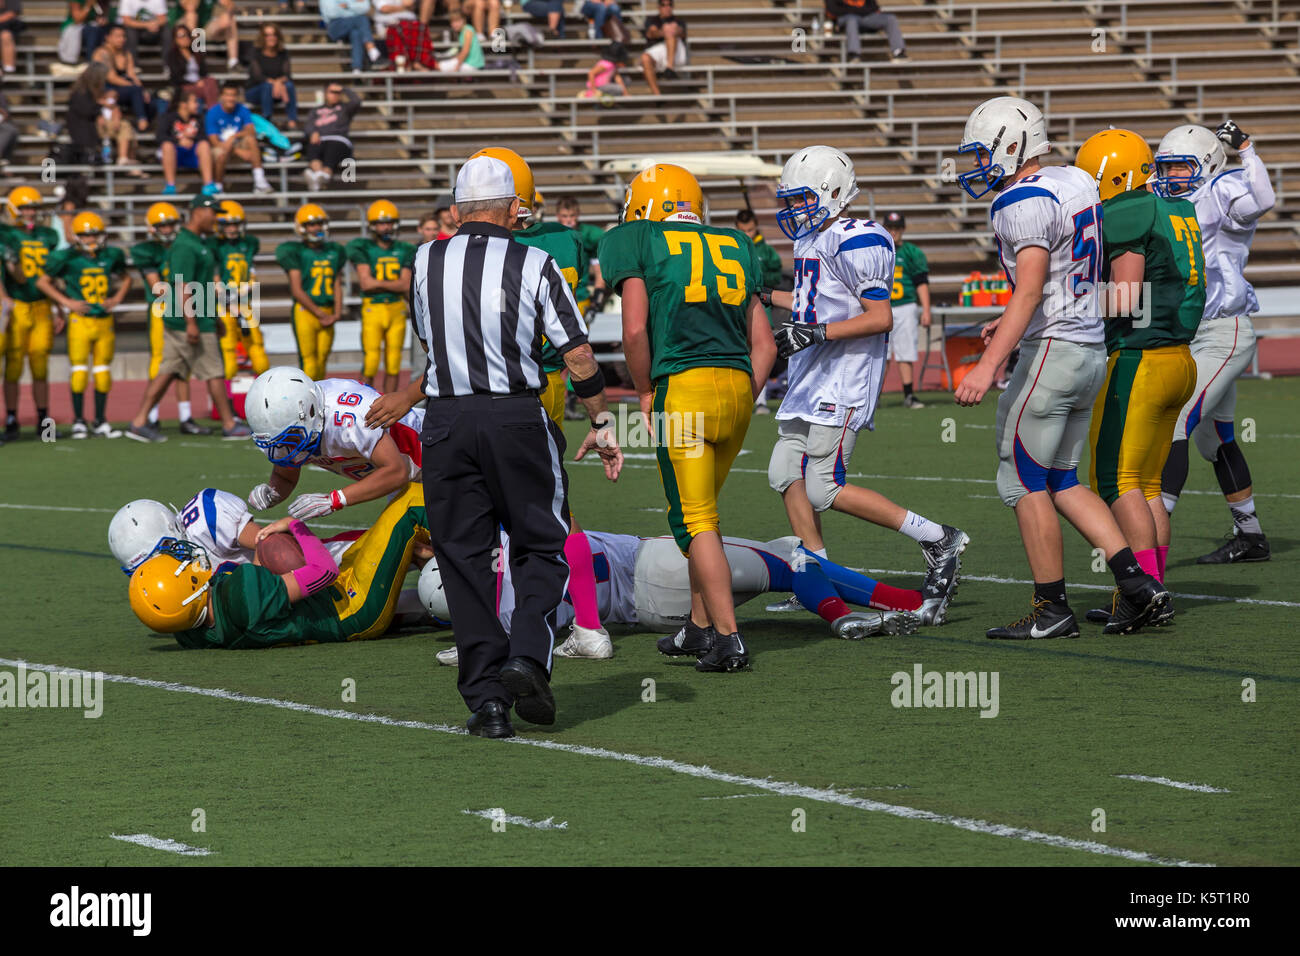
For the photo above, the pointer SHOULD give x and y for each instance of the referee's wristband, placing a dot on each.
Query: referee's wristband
(589, 387)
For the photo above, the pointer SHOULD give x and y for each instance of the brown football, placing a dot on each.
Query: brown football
(280, 553)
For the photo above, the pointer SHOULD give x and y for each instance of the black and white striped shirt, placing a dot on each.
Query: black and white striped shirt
(481, 303)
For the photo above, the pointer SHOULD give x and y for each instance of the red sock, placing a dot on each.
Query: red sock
(1162, 560)
(832, 609)
(582, 581)
(886, 598)
(1149, 562)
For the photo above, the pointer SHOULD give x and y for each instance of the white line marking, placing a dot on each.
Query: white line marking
(660, 763)
(739, 796)
(992, 579)
(1165, 781)
(157, 843)
(107, 511)
(497, 813)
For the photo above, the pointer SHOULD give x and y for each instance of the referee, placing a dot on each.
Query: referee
(481, 303)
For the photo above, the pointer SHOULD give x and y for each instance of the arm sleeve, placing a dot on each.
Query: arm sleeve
(1257, 197)
(56, 263)
(865, 264)
(617, 254)
(561, 322)
(1126, 225)
(286, 255)
(232, 517)
(1026, 221)
(416, 307)
(255, 74)
(356, 252)
(920, 267)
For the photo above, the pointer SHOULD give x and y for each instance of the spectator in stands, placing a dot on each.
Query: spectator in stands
(606, 19)
(429, 7)
(347, 20)
(269, 76)
(11, 24)
(188, 68)
(145, 22)
(447, 224)
(484, 14)
(469, 52)
(183, 142)
(8, 131)
(230, 131)
(326, 131)
(217, 17)
(853, 16)
(427, 230)
(667, 36)
(114, 129)
(89, 95)
(603, 78)
(122, 76)
(72, 198)
(89, 20)
(406, 39)
(552, 11)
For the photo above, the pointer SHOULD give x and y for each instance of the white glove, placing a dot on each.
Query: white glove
(305, 507)
(262, 497)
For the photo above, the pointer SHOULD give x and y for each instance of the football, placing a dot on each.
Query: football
(280, 553)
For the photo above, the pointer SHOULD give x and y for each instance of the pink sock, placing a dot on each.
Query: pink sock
(1162, 559)
(582, 581)
(1149, 562)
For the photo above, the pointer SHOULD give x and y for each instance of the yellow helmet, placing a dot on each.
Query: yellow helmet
(166, 592)
(230, 213)
(383, 212)
(20, 197)
(523, 176)
(312, 223)
(163, 220)
(1118, 159)
(88, 230)
(662, 192)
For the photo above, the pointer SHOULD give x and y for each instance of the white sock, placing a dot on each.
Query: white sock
(373, 53)
(919, 529)
(1243, 515)
(153, 415)
(259, 176)
(1170, 501)
(820, 552)
(184, 410)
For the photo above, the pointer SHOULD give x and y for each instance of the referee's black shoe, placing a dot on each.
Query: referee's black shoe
(728, 654)
(690, 639)
(491, 720)
(528, 684)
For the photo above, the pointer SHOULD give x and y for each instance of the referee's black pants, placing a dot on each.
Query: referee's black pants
(492, 461)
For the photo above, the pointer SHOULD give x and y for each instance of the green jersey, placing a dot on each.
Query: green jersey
(235, 258)
(386, 263)
(190, 260)
(319, 267)
(564, 246)
(699, 280)
(910, 270)
(590, 235)
(770, 260)
(86, 277)
(25, 252)
(1165, 232)
(150, 256)
(251, 608)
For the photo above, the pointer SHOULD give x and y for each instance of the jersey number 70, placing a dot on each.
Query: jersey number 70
(1086, 250)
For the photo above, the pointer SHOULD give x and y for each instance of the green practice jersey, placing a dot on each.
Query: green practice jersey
(699, 280)
(190, 259)
(89, 278)
(770, 260)
(386, 263)
(235, 258)
(250, 608)
(564, 245)
(319, 267)
(25, 252)
(150, 256)
(1166, 233)
(590, 234)
(909, 265)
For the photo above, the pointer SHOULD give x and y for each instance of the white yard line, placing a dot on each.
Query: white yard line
(497, 813)
(1166, 782)
(107, 511)
(782, 788)
(158, 843)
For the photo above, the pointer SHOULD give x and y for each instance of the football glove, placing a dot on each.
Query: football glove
(262, 497)
(1231, 134)
(316, 506)
(795, 336)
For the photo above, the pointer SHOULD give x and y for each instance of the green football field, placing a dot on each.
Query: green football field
(257, 758)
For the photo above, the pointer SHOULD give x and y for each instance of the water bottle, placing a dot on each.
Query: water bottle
(106, 150)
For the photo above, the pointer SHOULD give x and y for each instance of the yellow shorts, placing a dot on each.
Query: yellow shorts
(31, 335)
(314, 342)
(374, 568)
(155, 338)
(700, 419)
(233, 333)
(90, 339)
(383, 325)
(553, 397)
(1134, 416)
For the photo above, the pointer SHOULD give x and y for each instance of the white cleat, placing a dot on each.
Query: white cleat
(859, 624)
(584, 642)
(79, 430)
(105, 430)
(789, 604)
(449, 658)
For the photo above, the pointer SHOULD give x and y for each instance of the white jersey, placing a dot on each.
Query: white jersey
(214, 521)
(1057, 209)
(347, 444)
(1227, 208)
(834, 269)
(613, 558)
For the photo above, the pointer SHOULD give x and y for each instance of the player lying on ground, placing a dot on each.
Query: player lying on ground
(645, 582)
(299, 422)
(321, 602)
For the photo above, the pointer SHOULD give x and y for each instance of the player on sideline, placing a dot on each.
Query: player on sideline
(1189, 164)
(836, 341)
(235, 251)
(383, 264)
(314, 267)
(1047, 224)
(1155, 297)
(909, 299)
(299, 422)
(699, 349)
(33, 323)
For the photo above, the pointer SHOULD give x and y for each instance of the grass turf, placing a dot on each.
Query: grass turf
(283, 787)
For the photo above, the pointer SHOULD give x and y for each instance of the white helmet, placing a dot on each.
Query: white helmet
(432, 595)
(1003, 133)
(141, 529)
(286, 411)
(1196, 146)
(817, 183)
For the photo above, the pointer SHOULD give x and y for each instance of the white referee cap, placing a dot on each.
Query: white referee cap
(484, 178)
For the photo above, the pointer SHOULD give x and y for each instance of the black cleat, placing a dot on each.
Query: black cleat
(531, 688)
(1136, 606)
(11, 430)
(1240, 547)
(937, 592)
(728, 653)
(491, 720)
(1098, 615)
(1044, 621)
(952, 544)
(191, 427)
(690, 639)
